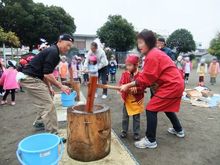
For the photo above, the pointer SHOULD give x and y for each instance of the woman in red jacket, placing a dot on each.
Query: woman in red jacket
(160, 72)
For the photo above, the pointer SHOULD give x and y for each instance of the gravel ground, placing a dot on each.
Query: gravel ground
(201, 146)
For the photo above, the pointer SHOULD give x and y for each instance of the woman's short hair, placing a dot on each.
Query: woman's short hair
(148, 37)
(94, 44)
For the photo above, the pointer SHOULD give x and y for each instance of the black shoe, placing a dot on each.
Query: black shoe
(123, 134)
(63, 140)
(136, 137)
(39, 126)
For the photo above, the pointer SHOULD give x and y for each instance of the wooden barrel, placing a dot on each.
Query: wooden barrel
(88, 134)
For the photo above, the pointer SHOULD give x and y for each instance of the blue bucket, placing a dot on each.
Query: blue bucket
(40, 149)
(68, 100)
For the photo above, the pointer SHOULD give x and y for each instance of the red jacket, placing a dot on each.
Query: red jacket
(126, 78)
(160, 69)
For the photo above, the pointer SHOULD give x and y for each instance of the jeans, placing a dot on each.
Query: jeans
(125, 122)
(7, 93)
(152, 124)
(103, 76)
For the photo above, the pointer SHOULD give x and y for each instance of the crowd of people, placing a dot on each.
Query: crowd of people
(165, 75)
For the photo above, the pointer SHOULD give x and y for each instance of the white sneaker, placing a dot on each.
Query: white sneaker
(104, 96)
(145, 143)
(12, 103)
(96, 95)
(180, 134)
(4, 102)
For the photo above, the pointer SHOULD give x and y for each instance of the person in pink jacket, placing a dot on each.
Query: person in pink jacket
(9, 82)
(2, 69)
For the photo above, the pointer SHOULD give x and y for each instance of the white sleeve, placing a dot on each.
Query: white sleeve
(103, 60)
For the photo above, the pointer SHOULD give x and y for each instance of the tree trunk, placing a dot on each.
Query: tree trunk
(89, 134)
(4, 55)
(12, 55)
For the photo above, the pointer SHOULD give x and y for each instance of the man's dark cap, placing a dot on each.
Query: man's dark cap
(161, 39)
(66, 37)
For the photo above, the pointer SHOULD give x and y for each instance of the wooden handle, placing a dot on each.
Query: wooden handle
(91, 93)
(111, 87)
(108, 86)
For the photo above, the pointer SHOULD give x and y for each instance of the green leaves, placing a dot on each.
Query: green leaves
(32, 21)
(214, 48)
(117, 33)
(182, 40)
(9, 37)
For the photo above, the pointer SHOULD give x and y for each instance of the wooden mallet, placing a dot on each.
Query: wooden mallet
(92, 86)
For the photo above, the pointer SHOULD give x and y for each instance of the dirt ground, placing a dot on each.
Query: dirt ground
(201, 146)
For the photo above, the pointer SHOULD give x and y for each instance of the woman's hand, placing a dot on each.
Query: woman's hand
(124, 88)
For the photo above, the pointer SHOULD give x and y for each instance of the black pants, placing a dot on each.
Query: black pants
(1, 89)
(201, 79)
(7, 93)
(63, 79)
(103, 76)
(85, 77)
(113, 77)
(152, 124)
(125, 122)
(186, 76)
(213, 80)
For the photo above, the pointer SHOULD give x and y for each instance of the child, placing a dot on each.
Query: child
(133, 100)
(179, 64)
(1, 72)
(79, 68)
(85, 74)
(202, 70)
(93, 67)
(22, 64)
(112, 69)
(187, 68)
(63, 69)
(213, 70)
(56, 72)
(73, 69)
(9, 82)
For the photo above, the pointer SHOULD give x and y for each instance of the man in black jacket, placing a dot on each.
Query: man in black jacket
(161, 44)
(39, 78)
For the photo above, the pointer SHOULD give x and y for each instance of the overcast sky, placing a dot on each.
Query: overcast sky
(201, 17)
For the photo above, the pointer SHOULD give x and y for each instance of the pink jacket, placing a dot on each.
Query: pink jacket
(8, 79)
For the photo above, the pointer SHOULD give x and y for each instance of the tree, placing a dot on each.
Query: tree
(214, 48)
(10, 38)
(182, 41)
(32, 21)
(117, 33)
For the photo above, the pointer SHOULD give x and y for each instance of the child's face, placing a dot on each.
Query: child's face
(91, 62)
(130, 67)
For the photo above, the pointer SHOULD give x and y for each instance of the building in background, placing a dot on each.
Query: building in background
(83, 41)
